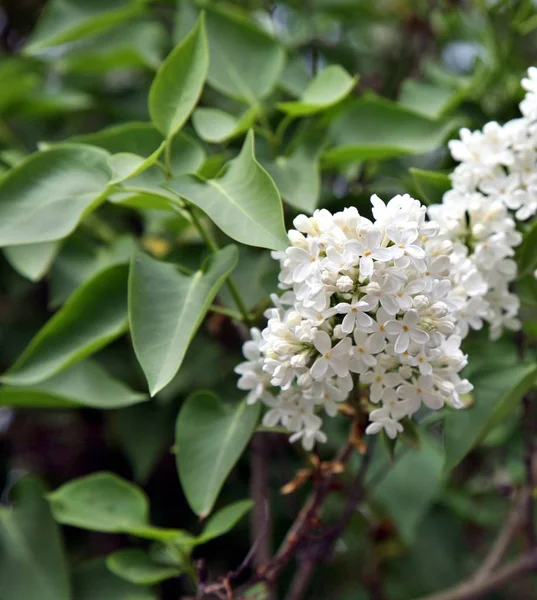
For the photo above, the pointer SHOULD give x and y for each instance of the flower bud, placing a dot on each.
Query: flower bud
(345, 283)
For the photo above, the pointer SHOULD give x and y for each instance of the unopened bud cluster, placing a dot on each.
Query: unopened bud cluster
(365, 302)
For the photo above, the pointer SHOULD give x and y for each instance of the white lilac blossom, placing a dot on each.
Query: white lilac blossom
(494, 186)
(364, 303)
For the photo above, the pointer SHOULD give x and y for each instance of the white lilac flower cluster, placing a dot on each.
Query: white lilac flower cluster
(494, 185)
(364, 303)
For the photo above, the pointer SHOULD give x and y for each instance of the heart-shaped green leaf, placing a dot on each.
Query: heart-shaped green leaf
(179, 82)
(101, 502)
(244, 202)
(44, 197)
(224, 520)
(93, 316)
(245, 62)
(166, 308)
(217, 126)
(137, 566)
(329, 87)
(210, 437)
(84, 384)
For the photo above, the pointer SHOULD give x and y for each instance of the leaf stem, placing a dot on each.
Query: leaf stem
(213, 247)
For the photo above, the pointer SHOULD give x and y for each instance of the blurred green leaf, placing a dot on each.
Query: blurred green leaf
(497, 391)
(179, 82)
(224, 520)
(137, 566)
(44, 197)
(249, 277)
(298, 177)
(244, 202)
(93, 316)
(93, 581)
(128, 45)
(295, 77)
(216, 126)
(429, 100)
(166, 308)
(79, 260)
(84, 384)
(329, 87)
(145, 433)
(210, 438)
(126, 165)
(32, 561)
(377, 129)
(187, 154)
(411, 486)
(32, 260)
(430, 185)
(65, 21)
(526, 254)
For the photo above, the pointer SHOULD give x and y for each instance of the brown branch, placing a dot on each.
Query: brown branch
(474, 589)
(261, 521)
(512, 525)
(300, 582)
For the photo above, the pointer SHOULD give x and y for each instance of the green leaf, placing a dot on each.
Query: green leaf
(210, 438)
(93, 316)
(65, 21)
(295, 76)
(429, 100)
(33, 563)
(137, 566)
(216, 126)
(166, 308)
(245, 62)
(244, 202)
(93, 581)
(497, 391)
(130, 45)
(329, 87)
(254, 267)
(430, 185)
(179, 81)
(84, 384)
(78, 261)
(32, 260)
(376, 129)
(100, 502)
(298, 178)
(224, 520)
(411, 486)
(144, 139)
(105, 502)
(126, 165)
(145, 433)
(526, 255)
(44, 197)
